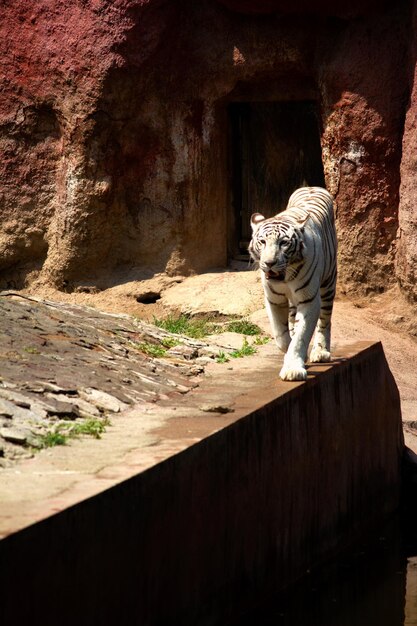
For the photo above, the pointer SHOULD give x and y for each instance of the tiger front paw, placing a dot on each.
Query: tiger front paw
(319, 355)
(293, 373)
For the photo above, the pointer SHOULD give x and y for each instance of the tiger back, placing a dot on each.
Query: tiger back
(297, 254)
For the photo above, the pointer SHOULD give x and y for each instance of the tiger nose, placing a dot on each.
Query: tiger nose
(269, 263)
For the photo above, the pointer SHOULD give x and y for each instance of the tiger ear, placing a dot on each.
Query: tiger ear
(301, 222)
(255, 220)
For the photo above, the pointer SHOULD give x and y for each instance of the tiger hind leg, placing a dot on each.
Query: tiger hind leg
(292, 312)
(320, 352)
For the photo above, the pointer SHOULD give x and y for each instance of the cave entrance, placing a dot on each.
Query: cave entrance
(275, 148)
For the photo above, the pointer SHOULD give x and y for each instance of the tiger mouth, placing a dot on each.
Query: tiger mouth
(271, 275)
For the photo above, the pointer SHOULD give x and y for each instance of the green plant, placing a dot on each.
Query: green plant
(222, 357)
(200, 327)
(260, 341)
(31, 350)
(170, 342)
(244, 327)
(245, 350)
(195, 328)
(151, 349)
(91, 426)
(68, 429)
(51, 439)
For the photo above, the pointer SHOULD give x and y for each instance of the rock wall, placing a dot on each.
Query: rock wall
(365, 91)
(406, 260)
(115, 137)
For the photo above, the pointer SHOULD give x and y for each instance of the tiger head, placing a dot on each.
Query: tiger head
(276, 244)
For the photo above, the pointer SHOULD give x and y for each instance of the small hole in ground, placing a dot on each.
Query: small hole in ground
(149, 297)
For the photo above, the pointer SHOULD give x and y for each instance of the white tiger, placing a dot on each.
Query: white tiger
(297, 251)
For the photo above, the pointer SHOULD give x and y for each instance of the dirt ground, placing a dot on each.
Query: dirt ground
(387, 317)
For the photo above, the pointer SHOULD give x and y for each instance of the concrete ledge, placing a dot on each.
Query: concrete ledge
(297, 473)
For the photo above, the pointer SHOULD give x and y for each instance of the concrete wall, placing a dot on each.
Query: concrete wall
(246, 511)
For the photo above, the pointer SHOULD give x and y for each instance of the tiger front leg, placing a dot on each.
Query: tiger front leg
(296, 356)
(278, 317)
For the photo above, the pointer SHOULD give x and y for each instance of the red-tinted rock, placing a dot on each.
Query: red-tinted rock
(362, 144)
(115, 131)
(61, 155)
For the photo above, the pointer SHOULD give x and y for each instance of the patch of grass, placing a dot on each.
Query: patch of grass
(170, 342)
(31, 350)
(66, 430)
(260, 341)
(222, 357)
(246, 350)
(91, 426)
(151, 349)
(196, 328)
(200, 327)
(52, 439)
(244, 327)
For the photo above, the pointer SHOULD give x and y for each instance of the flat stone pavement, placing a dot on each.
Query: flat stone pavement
(64, 362)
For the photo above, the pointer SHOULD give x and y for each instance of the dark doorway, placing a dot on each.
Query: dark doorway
(275, 149)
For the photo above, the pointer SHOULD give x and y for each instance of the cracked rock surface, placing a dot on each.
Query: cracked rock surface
(63, 363)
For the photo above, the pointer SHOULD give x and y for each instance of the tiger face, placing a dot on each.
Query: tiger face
(275, 245)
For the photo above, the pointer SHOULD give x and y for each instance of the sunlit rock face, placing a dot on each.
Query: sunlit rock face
(406, 259)
(117, 139)
(73, 132)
